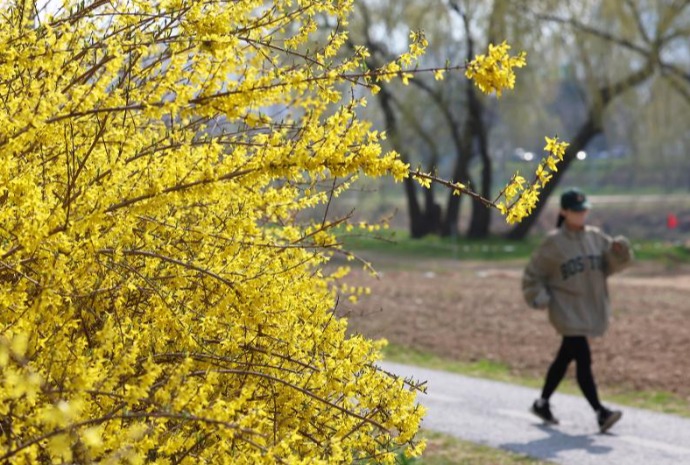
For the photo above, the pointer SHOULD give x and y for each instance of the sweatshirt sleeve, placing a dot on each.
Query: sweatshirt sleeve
(617, 257)
(535, 277)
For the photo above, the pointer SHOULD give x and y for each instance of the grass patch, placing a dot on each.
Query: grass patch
(399, 243)
(496, 371)
(658, 401)
(446, 450)
(667, 253)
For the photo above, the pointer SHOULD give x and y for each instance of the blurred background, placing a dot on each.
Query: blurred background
(611, 77)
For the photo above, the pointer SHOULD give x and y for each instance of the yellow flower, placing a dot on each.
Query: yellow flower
(543, 175)
(59, 447)
(406, 78)
(423, 181)
(552, 164)
(555, 147)
(494, 72)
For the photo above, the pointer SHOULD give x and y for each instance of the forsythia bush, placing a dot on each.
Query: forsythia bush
(159, 303)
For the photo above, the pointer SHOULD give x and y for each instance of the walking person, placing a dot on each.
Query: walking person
(567, 275)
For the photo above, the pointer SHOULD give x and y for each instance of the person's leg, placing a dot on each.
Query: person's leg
(558, 368)
(585, 378)
(583, 358)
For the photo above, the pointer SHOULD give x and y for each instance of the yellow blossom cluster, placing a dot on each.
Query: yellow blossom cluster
(519, 198)
(159, 303)
(493, 72)
(400, 67)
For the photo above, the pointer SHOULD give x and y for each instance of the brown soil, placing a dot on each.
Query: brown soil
(474, 311)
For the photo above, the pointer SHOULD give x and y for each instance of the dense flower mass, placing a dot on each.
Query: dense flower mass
(159, 302)
(493, 72)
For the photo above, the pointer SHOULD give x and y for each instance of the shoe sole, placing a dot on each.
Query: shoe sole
(610, 421)
(545, 420)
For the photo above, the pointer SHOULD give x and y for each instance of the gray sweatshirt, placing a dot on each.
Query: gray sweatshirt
(567, 274)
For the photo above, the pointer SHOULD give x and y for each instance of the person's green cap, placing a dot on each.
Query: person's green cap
(575, 200)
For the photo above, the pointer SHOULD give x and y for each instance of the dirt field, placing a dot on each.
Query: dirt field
(471, 311)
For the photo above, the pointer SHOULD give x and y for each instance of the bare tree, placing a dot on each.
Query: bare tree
(453, 105)
(617, 48)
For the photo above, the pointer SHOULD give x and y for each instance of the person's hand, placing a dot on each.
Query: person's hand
(542, 299)
(618, 247)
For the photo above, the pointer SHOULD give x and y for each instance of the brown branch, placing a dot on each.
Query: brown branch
(303, 391)
(454, 186)
(177, 188)
(176, 356)
(189, 266)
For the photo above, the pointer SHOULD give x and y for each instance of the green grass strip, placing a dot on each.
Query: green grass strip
(493, 249)
(446, 450)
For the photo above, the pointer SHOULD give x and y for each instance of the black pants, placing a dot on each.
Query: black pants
(573, 348)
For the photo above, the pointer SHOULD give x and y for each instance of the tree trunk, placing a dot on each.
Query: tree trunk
(419, 226)
(432, 212)
(414, 212)
(481, 220)
(449, 225)
(418, 218)
(481, 215)
(463, 146)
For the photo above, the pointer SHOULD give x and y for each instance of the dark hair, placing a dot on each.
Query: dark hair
(560, 220)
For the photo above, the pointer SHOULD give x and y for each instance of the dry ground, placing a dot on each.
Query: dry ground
(471, 311)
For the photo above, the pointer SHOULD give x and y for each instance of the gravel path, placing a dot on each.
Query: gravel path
(496, 414)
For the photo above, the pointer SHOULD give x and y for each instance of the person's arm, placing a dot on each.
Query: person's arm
(618, 254)
(535, 277)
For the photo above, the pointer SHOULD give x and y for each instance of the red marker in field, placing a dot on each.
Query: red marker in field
(671, 221)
